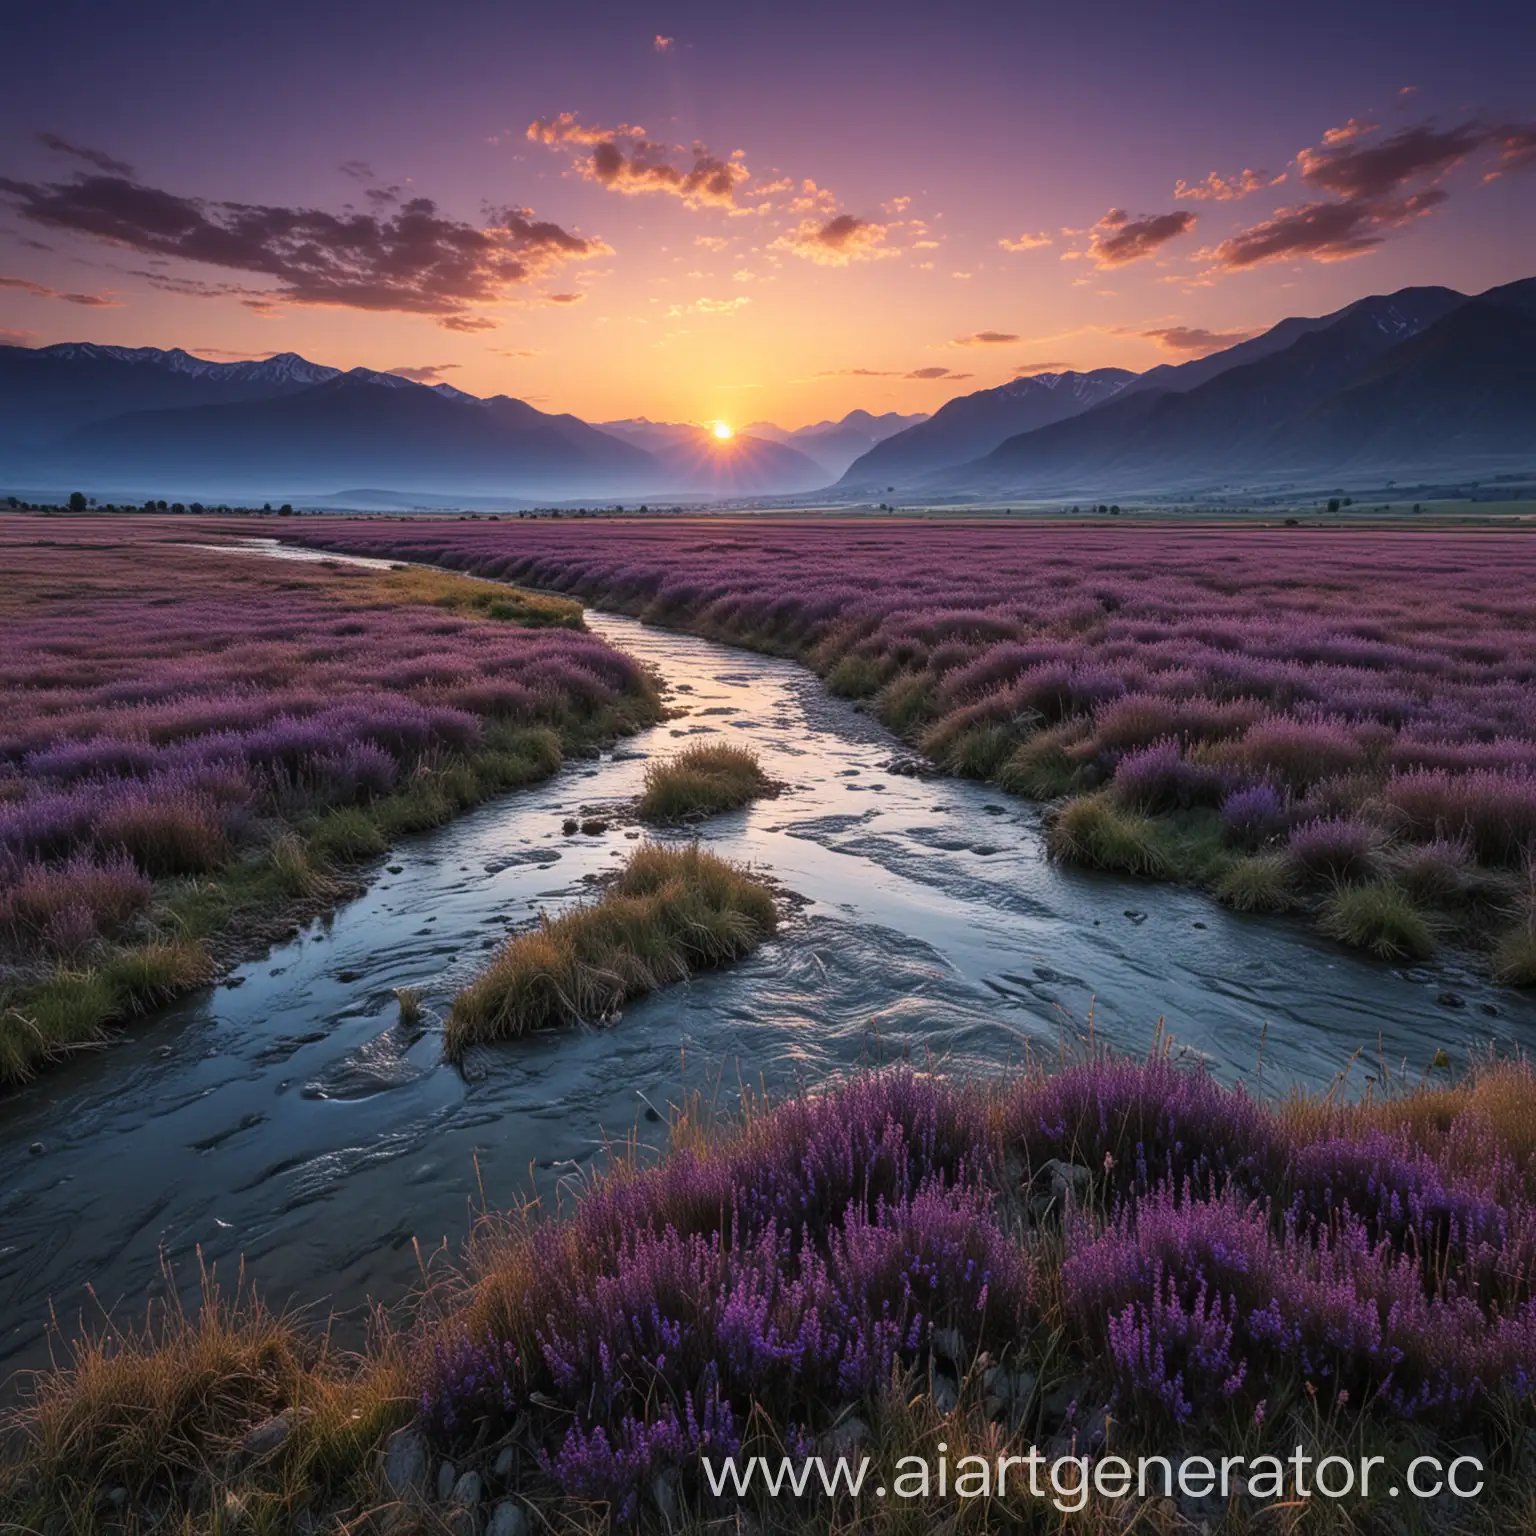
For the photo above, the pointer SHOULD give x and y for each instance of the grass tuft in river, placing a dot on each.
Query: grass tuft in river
(668, 912)
(700, 781)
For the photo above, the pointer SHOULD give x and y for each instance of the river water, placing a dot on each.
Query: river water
(289, 1118)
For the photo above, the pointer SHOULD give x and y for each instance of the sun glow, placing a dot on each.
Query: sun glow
(723, 431)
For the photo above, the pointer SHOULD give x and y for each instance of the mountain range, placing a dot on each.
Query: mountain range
(974, 424)
(1425, 382)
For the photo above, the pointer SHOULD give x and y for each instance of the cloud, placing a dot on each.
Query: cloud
(1369, 176)
(837, 242)
(1194, 339)
(517, 351)
(93, 157)
(358, 170)
(1322, 231)
(710, 306)
(984, 339)
(861, 373)
(663, 44)
(468, 324)
(1355, 128)
(624, 160)
(1026, 242)
(1028, 370)
(423, 373)
(42, 291)
(412, 261)
(1378, 169)
(1223, 189)
(1517, 147)
(565, 298)
(17, 338)
(934, 373)
(1118, 239)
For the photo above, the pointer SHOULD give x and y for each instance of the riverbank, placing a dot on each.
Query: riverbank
(201, 751)
(1245, 702)
(1112, 1258)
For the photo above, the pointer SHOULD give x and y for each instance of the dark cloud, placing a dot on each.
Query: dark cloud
(1365, 172)
(565, 298)
(1369, 176)
(467, 323)
(860, 373)
(934, 373)
(414, 260)
(1195, 339)
(1028, 370)
(1118, 239)
(985, 339)
(1323, 231)
(42, 291)
(102, 162)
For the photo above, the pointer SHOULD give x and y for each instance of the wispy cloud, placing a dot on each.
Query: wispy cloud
(984, 339)
(423, 373)
(43, 291)
(92, 157)
(1026, 242)
(1217, 188)
(1194, 340)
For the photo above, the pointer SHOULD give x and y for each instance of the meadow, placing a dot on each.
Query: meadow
(1113, 1256)
(1336, 722)
(196, 749)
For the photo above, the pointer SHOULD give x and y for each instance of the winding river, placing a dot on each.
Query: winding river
(288, 1116)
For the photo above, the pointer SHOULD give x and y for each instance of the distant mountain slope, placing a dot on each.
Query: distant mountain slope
(358, 428)
(836, 444)
(1462, 394)
(46, 392)
(972, 425)
(1423, 379)
(1397, 315)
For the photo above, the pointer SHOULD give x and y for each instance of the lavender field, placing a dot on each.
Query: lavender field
(196, 745)
(1339, 723)
(1081, 1250)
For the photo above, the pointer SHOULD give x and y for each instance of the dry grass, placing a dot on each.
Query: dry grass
(230, 1418)
(670, 912)
(702, 781)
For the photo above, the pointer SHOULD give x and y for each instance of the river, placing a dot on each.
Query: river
(289, 1117)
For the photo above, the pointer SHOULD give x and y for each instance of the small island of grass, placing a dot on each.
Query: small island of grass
(670, 912)
(701, 781)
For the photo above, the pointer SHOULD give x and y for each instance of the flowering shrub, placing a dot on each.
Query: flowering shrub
(1230, 1256)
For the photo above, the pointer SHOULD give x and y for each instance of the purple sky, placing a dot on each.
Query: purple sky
(774, 211)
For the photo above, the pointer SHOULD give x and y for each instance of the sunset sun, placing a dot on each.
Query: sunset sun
(723, 431)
